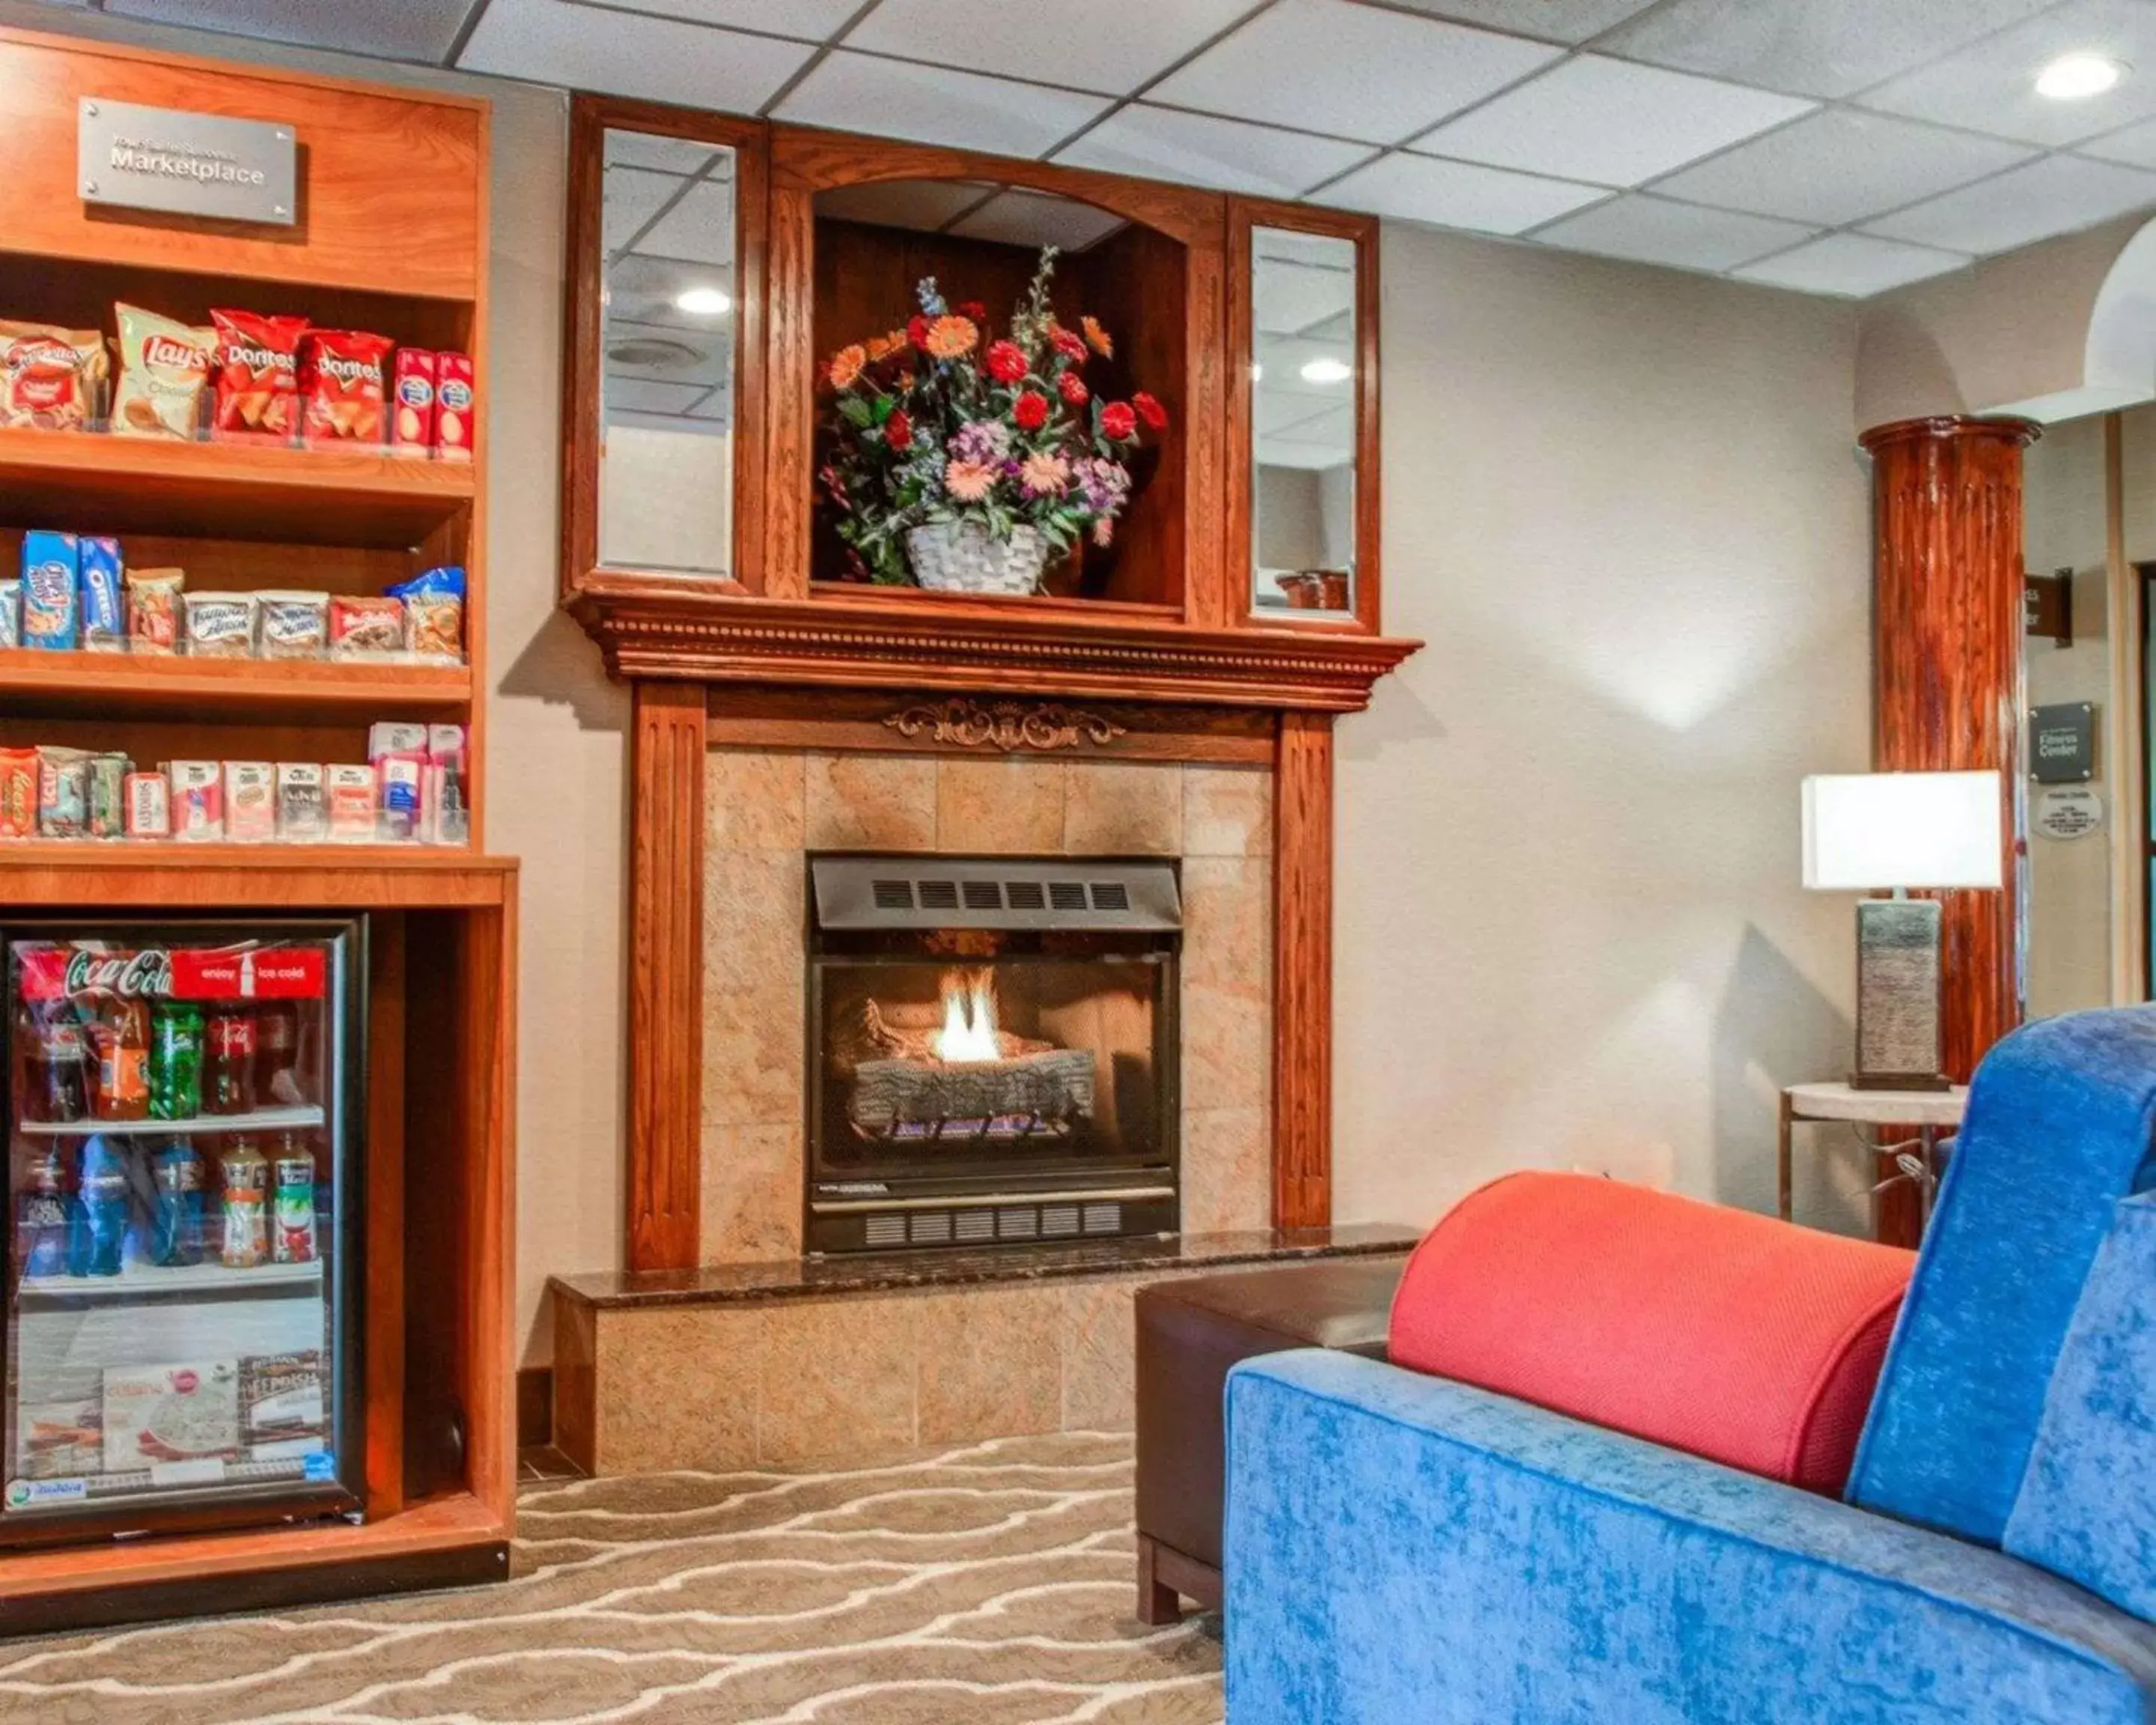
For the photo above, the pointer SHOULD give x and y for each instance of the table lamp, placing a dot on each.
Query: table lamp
(1872, 832)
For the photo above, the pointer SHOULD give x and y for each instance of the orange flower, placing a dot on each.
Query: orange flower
(950, 336)
(1096, 338)
(879, 346)
(845, 366)
(969, 481)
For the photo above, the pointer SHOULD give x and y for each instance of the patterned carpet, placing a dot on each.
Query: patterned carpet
(989, 1585)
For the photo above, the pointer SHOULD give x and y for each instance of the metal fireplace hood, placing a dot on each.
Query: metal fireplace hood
(893, 892)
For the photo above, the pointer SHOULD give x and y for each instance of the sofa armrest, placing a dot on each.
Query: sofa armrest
(1402, 1548)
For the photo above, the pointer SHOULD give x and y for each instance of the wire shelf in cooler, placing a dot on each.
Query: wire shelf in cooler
(262, 1120)
(139, 1282)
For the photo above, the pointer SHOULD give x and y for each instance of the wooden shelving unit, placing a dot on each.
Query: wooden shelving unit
(393, 239)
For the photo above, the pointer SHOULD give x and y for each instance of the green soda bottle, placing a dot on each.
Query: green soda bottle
(175, 1061)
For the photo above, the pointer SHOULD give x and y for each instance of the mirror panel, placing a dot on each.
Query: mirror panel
(1304, 416)
(667, 360)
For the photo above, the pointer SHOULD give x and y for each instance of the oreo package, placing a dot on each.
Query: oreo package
(101, 605)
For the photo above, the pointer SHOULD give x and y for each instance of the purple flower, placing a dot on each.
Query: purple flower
(1104, 485)
(983, 440)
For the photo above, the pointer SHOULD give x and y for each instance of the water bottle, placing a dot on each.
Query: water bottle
(100, 1213)
(41, 1217)
(176, 1232)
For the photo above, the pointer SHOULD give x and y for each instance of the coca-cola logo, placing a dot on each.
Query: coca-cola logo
(350, 370)
(127, 974)
(163, 353)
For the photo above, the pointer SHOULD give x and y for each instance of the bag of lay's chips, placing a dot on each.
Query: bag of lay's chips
(164, 368)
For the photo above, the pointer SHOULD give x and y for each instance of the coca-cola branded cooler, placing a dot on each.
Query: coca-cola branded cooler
(183, 1105)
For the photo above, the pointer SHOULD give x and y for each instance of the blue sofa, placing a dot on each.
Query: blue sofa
(1403, 1548)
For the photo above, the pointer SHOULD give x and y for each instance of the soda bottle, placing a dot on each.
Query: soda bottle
(100, 1211)
(41, 1216)
(292, 1236)
(176, 1236)
(175, 1061)
(56, 1061)
(123, 1063)
(228, 1082)
(245, 1205)
(277, 1056)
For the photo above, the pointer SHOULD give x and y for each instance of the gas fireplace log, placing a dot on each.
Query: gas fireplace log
(890, 1094)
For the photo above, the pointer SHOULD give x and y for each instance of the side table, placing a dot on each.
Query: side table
(1934, 1113)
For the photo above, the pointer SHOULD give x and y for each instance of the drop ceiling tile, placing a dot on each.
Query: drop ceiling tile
(936, 105)
(2134, 144)
(698, 229)
(628, 53)
(1029, 218)
(1199, 149)
(921, 205)
(1111, 45)
(1652, 230)
(1351, 71)
(1822, 47)
(2053, 194)
(806, 20)
(1842, 166)
(1989, 87)
(666, 155)
(394, 29)
(1456, 194)
(1553, 20)
(1854, 265)
(1608, 121)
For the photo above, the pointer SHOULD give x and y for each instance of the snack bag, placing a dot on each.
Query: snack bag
(50, 565)
(18, 793)
(197, 799)
(340, 375)
(250, 802)
(395, 736)
(352, 800)
(220, 625)
(412, 425)
(258, 376)
(363, 627)
(50, 377)
(399, 777)
(149, 812)
(293, 625)
(303, 815)
(456, 407)
(164, 368)
(108, 795)
(63, 793)
(433, 603)
(102, 618)
(11, 614)
(153, 609)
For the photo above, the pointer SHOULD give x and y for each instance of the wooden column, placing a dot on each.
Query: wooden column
(665, 995)
(1302, 971)
(1946, 569)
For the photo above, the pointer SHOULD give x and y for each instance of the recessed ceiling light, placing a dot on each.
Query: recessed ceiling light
(2073, 76)
(1326, 370)
(705, 301)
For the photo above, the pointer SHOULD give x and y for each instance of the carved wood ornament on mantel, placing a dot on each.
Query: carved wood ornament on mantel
(1162, 634)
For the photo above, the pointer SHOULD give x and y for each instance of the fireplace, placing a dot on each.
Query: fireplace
(993, 1049)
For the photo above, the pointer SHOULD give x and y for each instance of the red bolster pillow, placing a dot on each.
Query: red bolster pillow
(1735, 1337)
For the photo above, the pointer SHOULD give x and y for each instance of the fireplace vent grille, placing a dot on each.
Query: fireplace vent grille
(888, 893)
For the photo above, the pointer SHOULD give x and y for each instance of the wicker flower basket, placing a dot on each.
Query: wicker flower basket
(959, 556)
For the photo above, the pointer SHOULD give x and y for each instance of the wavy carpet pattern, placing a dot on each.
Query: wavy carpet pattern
(988, 1585)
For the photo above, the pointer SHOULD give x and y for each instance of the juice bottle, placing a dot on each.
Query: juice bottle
(245, 1205)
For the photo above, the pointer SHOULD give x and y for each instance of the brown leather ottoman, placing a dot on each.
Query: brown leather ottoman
(1189, 1332)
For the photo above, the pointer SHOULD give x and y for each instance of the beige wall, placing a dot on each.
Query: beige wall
(1622, 507)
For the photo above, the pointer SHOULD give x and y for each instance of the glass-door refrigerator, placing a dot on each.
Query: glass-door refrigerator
(183, 1105)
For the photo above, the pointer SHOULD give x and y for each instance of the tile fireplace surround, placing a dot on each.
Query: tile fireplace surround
(763, 1356)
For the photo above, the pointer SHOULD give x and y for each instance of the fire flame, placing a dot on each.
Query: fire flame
(969, 1021)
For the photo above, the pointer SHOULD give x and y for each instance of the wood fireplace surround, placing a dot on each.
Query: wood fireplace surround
(1172, 666)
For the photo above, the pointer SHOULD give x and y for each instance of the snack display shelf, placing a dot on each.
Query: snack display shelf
(140, 1282)
(129, 875)
(262, 1120)
(33, 681)
(97, 482)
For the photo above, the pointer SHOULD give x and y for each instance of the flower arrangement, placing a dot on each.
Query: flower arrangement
(942, 436)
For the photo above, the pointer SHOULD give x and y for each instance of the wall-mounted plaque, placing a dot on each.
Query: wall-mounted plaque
(168, 160)
(2062, 742)
(2068, 811)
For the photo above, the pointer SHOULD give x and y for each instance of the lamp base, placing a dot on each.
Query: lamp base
(1897, 995)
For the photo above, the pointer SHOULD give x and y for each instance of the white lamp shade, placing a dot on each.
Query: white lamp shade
(1867, 831)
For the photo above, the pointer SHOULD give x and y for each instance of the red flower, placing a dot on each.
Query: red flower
(898, 431)
(1119, 422)
(1150, 410)
(1072, 388)
(1071, 346)
(916, 330)
(1006, 361)
(973, 309)
(1030, 410)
